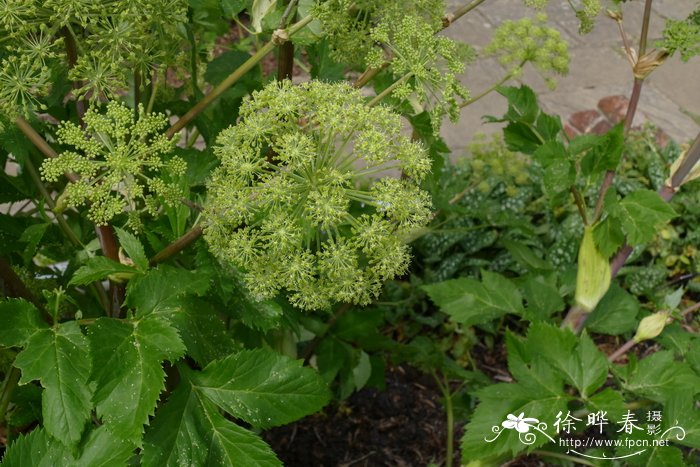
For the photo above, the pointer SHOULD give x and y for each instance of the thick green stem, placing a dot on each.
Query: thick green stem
(576, 318)
(235, 76)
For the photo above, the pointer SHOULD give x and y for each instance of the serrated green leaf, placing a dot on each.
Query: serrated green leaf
(649, 455)
(102, 449)
(469, 301)
(35, 449)
(176, 436)
(519, 137)
(658, 376)
(20, 320)
(358, 324)
(59, 358)
(640, 214)
(559, 173)
(548, 126)
(578, 359)
(522, 103)
(199, 164)
(606, 154)
(201, 329)
(543, 299)
(693, 355)
(615, 314)
(263, 388)
(530, 369)
(188, 430)
(133, 248)
(223, 65)
(680, 410)
(127, 369)
(585, 142)
(609, 401)
(608, 236)
(677, 339)
(161, 289)
(99, 268)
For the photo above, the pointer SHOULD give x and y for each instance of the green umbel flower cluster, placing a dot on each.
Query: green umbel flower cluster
(348, 24)
(119, 163)
(682, 36)
(374, 33)
(432, 61)
(297, 202)
(526, 40)
(110, 39)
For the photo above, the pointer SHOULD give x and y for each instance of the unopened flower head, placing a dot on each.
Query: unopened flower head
(526, 40)
(297, 201)
(120, 164)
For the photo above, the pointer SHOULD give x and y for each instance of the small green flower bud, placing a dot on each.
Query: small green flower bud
(651, 326)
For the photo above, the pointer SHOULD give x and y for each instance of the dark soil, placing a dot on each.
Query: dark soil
(403, 425)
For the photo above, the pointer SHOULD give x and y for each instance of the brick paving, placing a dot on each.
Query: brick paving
(593, 96)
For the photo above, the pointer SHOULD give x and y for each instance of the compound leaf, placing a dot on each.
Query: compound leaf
(263, 388)
(469, 301)
(189, 430)
(640, 213)
(59, 358)
(127, 358)
(20, 319)
(161, 289)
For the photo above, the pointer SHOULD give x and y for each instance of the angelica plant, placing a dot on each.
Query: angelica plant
(295, 204)
(119, 162)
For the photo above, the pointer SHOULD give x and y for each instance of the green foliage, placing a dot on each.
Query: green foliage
(312, 198)
(257, 386)
(114, 38)
(468, 301)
